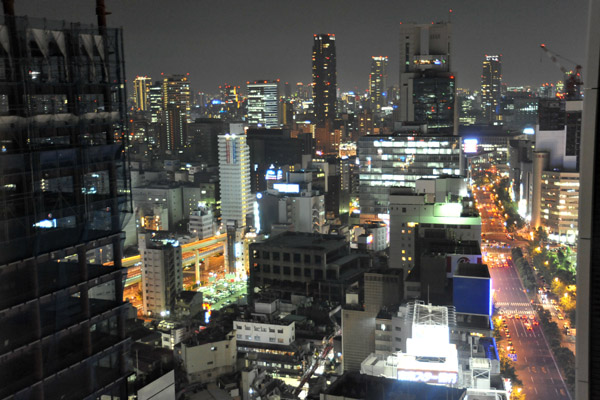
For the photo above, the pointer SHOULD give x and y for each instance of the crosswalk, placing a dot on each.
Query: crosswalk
(511, 304)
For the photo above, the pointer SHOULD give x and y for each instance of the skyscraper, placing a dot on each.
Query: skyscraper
(588, 248)
(263, 104)
(236, 197)
(155, 102)
(491, 79)
(176, 111)
(427, 85)
(64, 195)
(324, 78)
(377, 82)
(141, 89)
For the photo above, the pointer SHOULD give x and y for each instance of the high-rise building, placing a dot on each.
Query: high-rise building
(491, 80)
(587, 381)
(64, 195)
(162, 274)
(427, 85)
(234, 176)
(141, 89)
(237, 205)
(324, 77)
(377, 82)
(399, 161)
(263, 104)
(176, 111)
(155, 102)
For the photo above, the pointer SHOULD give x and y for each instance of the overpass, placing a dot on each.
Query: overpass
(192, 252)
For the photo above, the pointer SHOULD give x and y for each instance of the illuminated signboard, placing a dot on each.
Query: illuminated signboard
(528, 131)
(271, 175)
(470, 146)
(442, 378)
(287, 187)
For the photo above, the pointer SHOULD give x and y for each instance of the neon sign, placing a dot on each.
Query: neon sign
(443, 378)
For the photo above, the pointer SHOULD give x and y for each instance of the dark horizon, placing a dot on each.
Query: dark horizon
(273, 40)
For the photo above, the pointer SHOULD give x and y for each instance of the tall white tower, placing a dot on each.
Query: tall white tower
(236, 198)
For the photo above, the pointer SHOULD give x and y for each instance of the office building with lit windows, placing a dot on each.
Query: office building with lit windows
(427, 85)
(491, 79)
(141, 88)
(559, 198)
(399, 161)
(65, 194)
(176, 112)
(324, 78)
(155, 102)
(378, 82)
(263, 104)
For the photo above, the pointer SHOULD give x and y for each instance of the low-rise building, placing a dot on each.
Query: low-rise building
(314, 265)
(208, 355)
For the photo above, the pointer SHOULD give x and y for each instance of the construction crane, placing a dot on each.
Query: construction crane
(573, 82)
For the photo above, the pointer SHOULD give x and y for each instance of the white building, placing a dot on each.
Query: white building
(371, 236)
(172, 334)
(234, 176)
(289, 207)
(559, 205)
(158, 207)
(162, 275)
(434, 204)
(263, 104)
(428, 357)
(268, 332)
(207, 361)
(201, 223)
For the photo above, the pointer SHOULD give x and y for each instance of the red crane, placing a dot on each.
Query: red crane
(573, 82)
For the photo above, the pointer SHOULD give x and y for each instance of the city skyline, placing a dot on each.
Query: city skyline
(280, 46)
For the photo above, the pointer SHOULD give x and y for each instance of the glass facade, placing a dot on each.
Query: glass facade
(399, 161)
(64, 189)
(433, 100)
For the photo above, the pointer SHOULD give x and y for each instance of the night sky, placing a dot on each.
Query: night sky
(232, 41)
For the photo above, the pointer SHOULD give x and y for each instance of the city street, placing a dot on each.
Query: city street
(534, 363)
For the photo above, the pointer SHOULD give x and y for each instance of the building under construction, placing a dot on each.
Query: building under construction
(64, 194)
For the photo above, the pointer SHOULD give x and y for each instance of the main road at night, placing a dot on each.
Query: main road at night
(535, 365)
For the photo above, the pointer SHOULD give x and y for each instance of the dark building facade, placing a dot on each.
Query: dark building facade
(64, 192)
(491, 79)
(202, 135)
(303, 264)
(270, 147)
(324, 77)
(587, 384)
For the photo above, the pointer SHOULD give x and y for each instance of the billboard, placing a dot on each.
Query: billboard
(470, 146)
(453, 260)
(472, 295)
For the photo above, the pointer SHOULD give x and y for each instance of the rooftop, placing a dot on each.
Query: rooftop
(353, 385)
(305, 241)
(473, 270)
